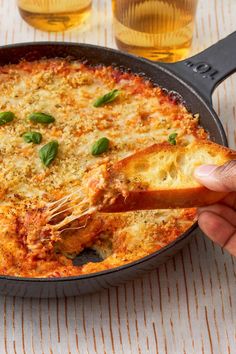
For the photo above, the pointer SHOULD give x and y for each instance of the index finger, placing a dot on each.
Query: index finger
(218, 230)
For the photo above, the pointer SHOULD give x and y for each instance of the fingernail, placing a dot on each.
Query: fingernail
(205, 170)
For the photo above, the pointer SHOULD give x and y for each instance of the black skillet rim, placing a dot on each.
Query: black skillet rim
(170, 245)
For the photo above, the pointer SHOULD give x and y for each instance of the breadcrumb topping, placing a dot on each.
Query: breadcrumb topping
(140, 116)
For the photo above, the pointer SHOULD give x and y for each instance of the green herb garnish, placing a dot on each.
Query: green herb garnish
(100, 146)
(32, 137)
(48, 152)
(109, 97)
(42, 118)
(172, 138)
(6, 117)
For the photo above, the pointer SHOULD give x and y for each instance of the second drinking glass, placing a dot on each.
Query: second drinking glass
(156, 29)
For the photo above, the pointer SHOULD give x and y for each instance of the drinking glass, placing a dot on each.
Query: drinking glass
(54, 15)
(156, 29)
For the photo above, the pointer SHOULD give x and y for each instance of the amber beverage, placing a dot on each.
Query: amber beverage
(54, 15)
(155, 29)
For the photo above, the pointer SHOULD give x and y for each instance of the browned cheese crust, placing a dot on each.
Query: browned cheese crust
(140, 116)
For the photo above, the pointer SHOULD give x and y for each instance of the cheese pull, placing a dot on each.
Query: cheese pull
(158, 177)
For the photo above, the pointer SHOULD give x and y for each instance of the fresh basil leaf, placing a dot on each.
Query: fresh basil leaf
(43, 118)
(100, 146)
(109, 97)
(172, 138)
(48, 152)
(6, 117)
(32, 137)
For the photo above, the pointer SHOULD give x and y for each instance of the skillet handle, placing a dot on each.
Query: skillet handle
(206, 70)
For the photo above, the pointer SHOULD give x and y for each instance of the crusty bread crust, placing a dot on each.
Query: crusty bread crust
(141, 155)
(165, 199)
(146, 188)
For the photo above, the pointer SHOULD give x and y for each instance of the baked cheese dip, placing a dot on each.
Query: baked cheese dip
(59, 119)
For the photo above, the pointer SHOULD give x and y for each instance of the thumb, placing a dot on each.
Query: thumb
(218, 178)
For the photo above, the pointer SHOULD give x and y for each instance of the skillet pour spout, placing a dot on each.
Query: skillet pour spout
(194, 79)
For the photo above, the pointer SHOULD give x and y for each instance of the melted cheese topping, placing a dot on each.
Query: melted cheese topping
(140, 116)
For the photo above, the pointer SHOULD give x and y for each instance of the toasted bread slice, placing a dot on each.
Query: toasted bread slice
(162, 176)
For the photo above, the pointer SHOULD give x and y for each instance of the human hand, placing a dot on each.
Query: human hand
(218, 221)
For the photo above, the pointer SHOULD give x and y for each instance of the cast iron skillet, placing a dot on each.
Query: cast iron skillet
(194, 79)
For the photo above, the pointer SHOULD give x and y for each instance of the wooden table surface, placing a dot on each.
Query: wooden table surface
(188, 305)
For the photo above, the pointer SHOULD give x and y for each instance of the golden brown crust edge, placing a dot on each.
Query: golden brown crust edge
(231, 154)
(167, 198)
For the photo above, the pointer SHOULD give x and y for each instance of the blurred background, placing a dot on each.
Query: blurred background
(138, 24)
(155, 29)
